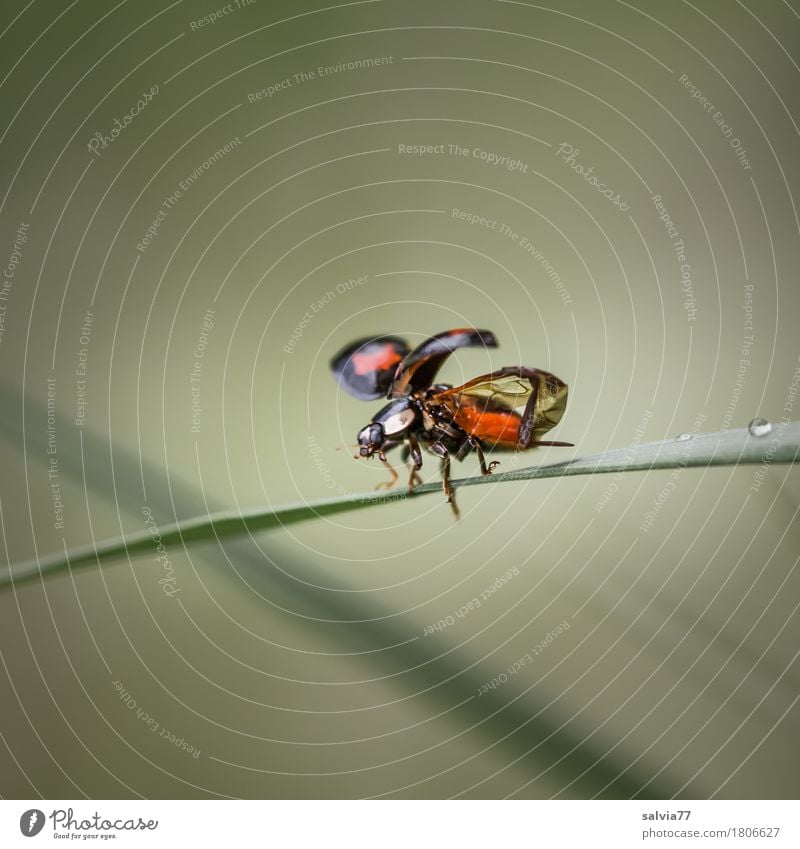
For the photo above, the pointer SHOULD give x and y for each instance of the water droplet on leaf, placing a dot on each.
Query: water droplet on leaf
(682, 437)
(759, 427)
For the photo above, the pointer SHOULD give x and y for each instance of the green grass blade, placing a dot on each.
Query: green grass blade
(725, 448)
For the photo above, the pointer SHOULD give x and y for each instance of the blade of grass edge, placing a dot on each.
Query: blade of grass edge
(724, 448)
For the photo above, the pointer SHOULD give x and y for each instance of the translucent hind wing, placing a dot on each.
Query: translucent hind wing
(543, 396)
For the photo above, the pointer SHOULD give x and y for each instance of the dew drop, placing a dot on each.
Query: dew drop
(682, 437)
(759, 427)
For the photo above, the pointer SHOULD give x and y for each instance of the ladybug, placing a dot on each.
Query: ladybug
(508, 409)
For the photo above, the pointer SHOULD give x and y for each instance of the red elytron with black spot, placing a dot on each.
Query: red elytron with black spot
(482, 414)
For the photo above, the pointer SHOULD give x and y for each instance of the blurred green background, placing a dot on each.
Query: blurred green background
(297, 662)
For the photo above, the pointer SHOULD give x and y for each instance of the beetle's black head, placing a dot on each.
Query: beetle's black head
(371, 439)
(389, 426)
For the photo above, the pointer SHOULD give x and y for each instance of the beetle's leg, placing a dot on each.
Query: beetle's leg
(414, 479)
(413, 451)
(448, 490)
(441, 451)
(392, 471)
(485, 470)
